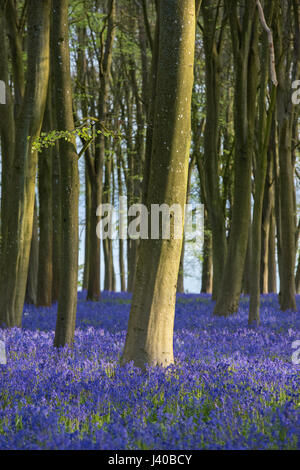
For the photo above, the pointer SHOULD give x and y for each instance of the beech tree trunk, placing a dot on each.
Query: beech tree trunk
(150, 330)
(272, 273)
(207, 273)
(56, 197)
(285, 115)
(247, 274)
(95, 166)
(121, 241)
(212, 48)
(264, 124)
(180, 281)
(21, 191)
(266, 225)
(69, 179)
(245, 98)
(7, 131)
(45, 270)
(32, 278)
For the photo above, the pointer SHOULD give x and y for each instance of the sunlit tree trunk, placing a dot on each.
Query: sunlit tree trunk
(150, 330)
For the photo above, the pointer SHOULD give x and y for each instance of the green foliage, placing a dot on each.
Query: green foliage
(86, 133)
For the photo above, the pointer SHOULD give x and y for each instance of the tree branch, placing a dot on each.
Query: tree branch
(270, 40)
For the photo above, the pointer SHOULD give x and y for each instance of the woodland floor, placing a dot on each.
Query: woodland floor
(231, 387)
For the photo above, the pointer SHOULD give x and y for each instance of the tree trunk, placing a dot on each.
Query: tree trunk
(121, 241)
(21, 193)
(96, 166)
(272, 277)
(264, 125)
(93, 292)
(69, 188)
(245, 99)
(266, 229)
(260, 175)
(85, 281)
(287, 281)
(297, 280)
(32, 278)
(56, 197)
(285, 115)
(150, 330)
(211, 141)
(247, 274)
(45, 271)
(207, 274)
(180, 281)
(82, 89)
(7, 132)
(107, 242)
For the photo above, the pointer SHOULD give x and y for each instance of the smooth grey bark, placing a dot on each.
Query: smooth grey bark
(150, 330)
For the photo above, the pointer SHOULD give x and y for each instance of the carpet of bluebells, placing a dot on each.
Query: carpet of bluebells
(232, 387)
